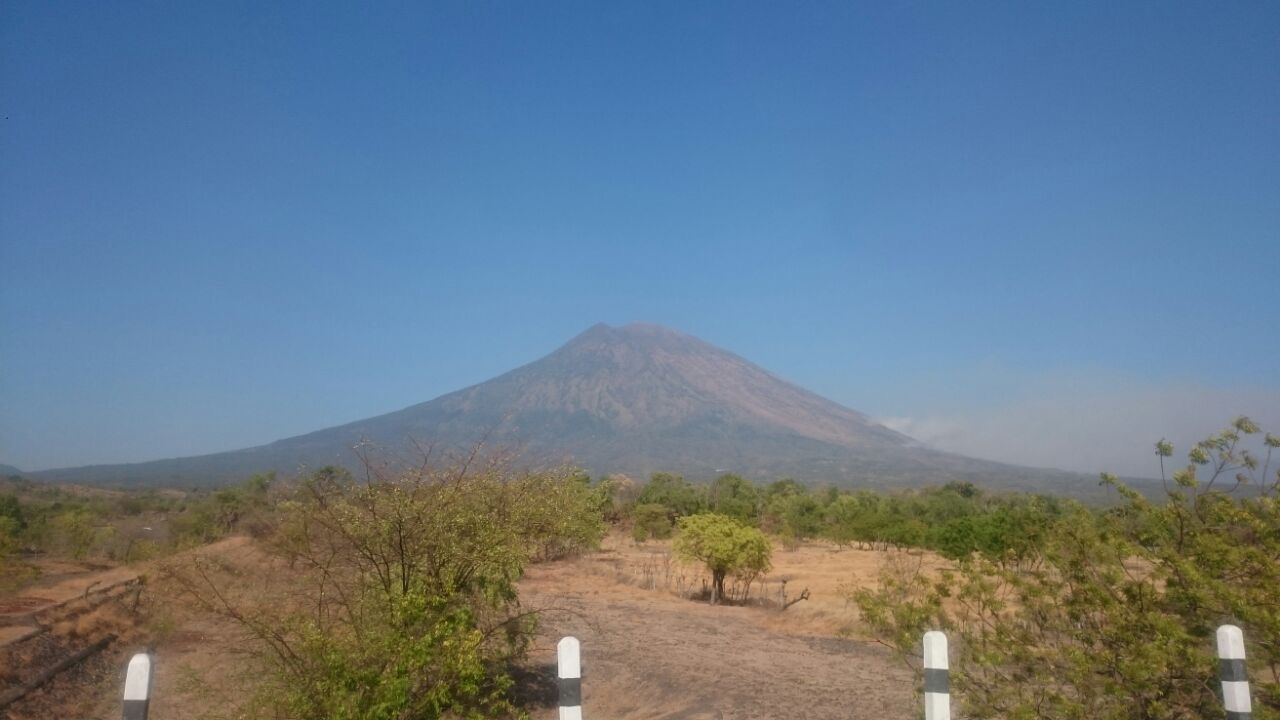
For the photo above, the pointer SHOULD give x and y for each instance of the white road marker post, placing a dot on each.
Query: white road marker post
(569, 672)
(937, 677)
(137, 687)
(1235, 681)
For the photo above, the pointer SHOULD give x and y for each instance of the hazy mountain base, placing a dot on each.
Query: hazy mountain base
(770, 459)
(632, 400)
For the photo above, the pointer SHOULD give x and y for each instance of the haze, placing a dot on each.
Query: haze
(1043, 234)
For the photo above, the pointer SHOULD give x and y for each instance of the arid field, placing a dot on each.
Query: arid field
(649, 651)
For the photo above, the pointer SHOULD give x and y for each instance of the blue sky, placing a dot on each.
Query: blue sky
(226, 223)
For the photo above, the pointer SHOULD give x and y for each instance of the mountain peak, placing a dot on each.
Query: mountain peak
(634, 330)
(634, 399)
(643, 329)
(630, 345)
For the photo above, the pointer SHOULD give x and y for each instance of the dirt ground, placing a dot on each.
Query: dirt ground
(649, 652)
(72, 606)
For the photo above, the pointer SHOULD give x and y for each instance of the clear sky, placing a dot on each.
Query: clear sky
(1042, 232)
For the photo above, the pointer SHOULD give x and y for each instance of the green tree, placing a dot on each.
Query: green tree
(76, 533)
(14, 573)
(785, 486)
(796, 516)
(1112, 615)
(725, 546)
(8, 538)
(651, 521)
(415, 611)
(673, 491)
(10, 508)
(562, 514)
(735, 497)
(857, 517)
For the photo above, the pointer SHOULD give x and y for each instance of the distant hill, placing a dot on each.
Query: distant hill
(634, 400)
(7, 470)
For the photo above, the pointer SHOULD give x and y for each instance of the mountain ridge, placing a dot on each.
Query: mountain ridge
(633, 399)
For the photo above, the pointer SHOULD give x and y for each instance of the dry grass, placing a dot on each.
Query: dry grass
(828, 572)
(649, 651)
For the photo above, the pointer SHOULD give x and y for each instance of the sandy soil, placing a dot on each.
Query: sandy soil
(71, 607)
(649, 652)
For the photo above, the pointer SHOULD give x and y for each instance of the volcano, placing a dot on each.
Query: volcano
(634, 400)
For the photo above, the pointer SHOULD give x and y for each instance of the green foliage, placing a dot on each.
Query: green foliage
(78, 523)
(956, 520)
(76, 532)
(796, 515)
(618, 496)
(1112, 616)
(725, 546)
(786, 486)
(673, 492)
(651, 521)
(9, 531)
(13, 572)
(734, 497)
(561, 513)
(11, 510)
(421, 657)
(215, 515)
(415, 611)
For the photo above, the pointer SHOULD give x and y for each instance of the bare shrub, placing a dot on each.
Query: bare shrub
(404, 602)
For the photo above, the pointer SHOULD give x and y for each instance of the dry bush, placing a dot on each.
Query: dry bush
(397, 593)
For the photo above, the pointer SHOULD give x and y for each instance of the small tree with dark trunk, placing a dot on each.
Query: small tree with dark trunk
(724, 545)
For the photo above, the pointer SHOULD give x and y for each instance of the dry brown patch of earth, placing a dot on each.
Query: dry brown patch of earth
(648, 653)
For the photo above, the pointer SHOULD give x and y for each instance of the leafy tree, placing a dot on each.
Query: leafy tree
(843, 521)
(620, 494)
(13, 572)
(651, 521)
(562, 513)
(415, 611)
(734, 497)
(966, 490)
(783, 487)
(8, 538)
(674, 492)
(856, 517)
(1112, 616)
(10, 508)
(12, 523)
(725, 546)
(796, 516)
(76, 532)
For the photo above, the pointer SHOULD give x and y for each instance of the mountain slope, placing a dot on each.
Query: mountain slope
(635, 399)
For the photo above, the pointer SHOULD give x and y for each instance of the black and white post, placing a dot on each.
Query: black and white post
(937, 677)
(137, 687)
(569, 672)
(1235, 681)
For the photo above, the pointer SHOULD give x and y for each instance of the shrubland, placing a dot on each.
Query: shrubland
(1111, 615)
(409, 606)
(954, 520)
(1055, 609)
(93, 525)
